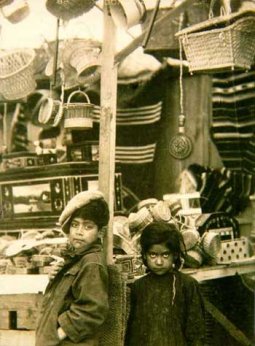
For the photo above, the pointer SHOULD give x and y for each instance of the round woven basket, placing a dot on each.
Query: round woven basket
(161, 211)
(78, 115)
(68, 9)
(138, 221)
(51, 112)
(190, 238)
(147, 203)
(193, 258)
(16, 11)
(127, 13)
(87, 64)
(16, 73)
(211, 243)
(5, 2)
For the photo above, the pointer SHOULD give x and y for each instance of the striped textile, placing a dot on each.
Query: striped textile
(136, 133)
(134, 116)
(135, 155)
(233, 122)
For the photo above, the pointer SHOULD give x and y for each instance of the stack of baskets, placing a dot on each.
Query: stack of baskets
(16, 73)
(220, 44)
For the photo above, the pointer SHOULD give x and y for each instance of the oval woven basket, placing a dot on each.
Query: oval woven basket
(78, 115)
(17, 74)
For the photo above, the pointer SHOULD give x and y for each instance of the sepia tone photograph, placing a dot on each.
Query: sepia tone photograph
(127, 172)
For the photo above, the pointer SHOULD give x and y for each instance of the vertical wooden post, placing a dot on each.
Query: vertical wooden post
(107, 134)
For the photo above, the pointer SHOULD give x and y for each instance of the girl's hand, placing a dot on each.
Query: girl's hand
(56, 266)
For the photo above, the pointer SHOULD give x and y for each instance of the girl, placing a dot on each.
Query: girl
(166, 305)
(75, 302)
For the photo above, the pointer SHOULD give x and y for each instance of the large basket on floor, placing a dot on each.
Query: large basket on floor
(16, 73)
(226, 47)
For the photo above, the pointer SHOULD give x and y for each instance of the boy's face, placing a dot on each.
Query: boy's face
(82, 232)
(159, 259)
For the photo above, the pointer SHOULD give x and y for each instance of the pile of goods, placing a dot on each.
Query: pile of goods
(32, 253)
(210, 239)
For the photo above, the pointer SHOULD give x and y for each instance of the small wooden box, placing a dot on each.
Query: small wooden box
(234, 250)
(19, 311)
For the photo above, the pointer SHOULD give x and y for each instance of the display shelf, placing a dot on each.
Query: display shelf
(19, 284)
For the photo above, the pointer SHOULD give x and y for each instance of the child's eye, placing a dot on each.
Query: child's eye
(166, 255)
(152, 255)
(89, 226)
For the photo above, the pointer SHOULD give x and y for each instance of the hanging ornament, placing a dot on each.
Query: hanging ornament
(180, 146)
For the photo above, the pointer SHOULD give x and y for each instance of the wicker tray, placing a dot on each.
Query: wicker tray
(220, 44)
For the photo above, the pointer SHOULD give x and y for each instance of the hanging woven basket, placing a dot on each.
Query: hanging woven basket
(78, 115)
(5, 2)
(87, 63)
(68, 9)
(17, 74)
(51, 112)
(15, 11)
(220, 44)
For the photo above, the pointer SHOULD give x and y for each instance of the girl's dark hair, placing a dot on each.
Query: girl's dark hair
(96, 210)
(161, 232)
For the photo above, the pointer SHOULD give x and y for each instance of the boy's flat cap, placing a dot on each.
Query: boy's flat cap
(80, 200)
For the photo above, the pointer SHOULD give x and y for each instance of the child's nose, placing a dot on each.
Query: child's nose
(80, 229)
(159, 260)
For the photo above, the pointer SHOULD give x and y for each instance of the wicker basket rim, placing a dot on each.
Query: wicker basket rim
(220, 30)
(207, 24)
(29, 51)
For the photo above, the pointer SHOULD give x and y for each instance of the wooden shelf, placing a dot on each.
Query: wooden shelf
(20, 284)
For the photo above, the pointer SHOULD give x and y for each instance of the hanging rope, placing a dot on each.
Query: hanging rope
(181, 68)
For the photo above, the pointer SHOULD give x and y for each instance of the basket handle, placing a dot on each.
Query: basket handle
(225, 8)
(78, 92)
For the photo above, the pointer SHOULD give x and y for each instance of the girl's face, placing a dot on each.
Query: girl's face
(159, 259)
(82, 232)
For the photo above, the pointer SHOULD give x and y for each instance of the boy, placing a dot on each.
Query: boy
(75, 302)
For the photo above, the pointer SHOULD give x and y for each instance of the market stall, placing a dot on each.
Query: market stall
(144, 140)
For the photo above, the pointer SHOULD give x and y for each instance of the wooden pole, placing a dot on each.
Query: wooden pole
(107, 133)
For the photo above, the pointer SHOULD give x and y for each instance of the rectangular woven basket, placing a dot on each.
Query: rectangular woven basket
(221, 49)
